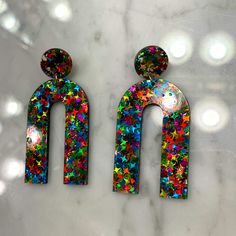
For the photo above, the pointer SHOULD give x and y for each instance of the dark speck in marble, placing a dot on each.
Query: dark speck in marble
(97, 36)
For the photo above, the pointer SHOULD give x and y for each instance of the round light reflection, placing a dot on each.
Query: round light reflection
(179, 47)
(210, 118)
(169, 100)
(12, 168)
(10, 23)
(178, 50)
(217, 51)
(217, 48)
(12, 107)
(211, 114)
(61, 11)
(34, 136)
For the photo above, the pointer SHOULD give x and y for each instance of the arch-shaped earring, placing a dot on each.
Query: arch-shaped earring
(57, 64)
(150, 62)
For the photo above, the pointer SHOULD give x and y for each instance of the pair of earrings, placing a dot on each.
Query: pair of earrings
(150, 62)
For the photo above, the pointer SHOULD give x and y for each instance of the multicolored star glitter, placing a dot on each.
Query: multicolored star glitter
(76, 131)
(56, 63)
(175, 137)
(150, 62)
(76, 124)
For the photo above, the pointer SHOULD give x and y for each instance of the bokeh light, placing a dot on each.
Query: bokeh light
(10, 23)
(217, 48)
(61, 10)
(179, 47)
(12, 168)
(210, 114)
(217, 51)
(12, 107)
(210, 118)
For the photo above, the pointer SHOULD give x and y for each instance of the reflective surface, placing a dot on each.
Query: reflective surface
(150, 62)
(56, 63)
(76, 131)
(175, 137)
(103, 37)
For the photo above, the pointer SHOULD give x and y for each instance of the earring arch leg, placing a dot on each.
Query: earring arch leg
(76, 132)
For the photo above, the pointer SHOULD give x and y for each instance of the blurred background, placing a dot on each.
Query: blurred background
(103, 38)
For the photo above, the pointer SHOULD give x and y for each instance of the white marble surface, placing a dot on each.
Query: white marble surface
(103, 38)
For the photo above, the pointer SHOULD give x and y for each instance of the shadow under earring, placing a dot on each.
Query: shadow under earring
(150, 62)
(57, 64)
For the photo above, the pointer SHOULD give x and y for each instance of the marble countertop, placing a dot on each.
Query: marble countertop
(103, 38)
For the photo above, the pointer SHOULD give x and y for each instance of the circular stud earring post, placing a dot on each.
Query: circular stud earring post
(56, 63)
(150, 62)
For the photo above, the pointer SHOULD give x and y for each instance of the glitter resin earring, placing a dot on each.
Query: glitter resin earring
(57, 64)
(150, 62)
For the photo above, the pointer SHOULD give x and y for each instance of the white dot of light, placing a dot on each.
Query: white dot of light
(169, 100)
(34, 136)
(61, 11)
(210, 117)
(217, 51)
(10, 23)
(179, 47)
(211, 114)
(13, 107)
(12, 168)
(217, 48)
(3, 6)
(2, 187)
